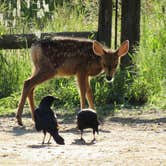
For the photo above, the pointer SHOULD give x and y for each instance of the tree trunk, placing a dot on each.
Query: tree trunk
(130, 26)
(105, 22)
(116, 24)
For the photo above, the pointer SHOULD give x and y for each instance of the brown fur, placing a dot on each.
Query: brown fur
(66, 57)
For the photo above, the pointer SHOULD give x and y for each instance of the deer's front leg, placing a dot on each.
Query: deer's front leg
(82, 87)
(89, 94)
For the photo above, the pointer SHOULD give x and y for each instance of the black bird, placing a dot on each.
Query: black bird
(87, 118)
(46, 121)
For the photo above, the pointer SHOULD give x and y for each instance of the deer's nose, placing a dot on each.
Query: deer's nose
(109, 78)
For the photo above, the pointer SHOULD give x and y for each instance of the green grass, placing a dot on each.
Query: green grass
(65, 17)
(14, 68)
(150, 80)
(146, 86)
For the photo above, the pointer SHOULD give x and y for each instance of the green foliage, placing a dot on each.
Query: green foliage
(9, 104)
(149, 82)
(14, 68)
(64, 89)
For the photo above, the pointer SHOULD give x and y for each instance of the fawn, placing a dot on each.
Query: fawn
(62, 56)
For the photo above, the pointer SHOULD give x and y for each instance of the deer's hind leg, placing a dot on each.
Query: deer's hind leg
(31, 102)
(28, 89)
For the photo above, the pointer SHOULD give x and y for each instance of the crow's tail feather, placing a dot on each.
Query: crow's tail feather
(58, 139)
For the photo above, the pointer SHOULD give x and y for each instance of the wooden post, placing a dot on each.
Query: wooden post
(116, 23)
(105, 22)
(130, 26)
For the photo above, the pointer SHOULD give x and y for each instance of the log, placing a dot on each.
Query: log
(19, 41)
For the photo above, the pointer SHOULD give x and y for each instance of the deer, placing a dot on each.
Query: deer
(64, 56)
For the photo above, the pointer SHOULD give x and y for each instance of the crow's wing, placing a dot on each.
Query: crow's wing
(50, 121)
(38, 120)
(45, 120)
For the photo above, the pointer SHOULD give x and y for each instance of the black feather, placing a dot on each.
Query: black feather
(87, 118)
(45, 119)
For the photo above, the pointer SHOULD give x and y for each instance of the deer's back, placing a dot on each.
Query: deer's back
(65, 55)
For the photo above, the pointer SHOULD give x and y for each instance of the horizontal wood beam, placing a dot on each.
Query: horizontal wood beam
(19, 41)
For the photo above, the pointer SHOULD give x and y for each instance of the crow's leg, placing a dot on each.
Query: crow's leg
(49, 139)
(44, 132)
(81, 134)
(94, 135)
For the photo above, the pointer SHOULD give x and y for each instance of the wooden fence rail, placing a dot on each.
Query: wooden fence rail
(19, 41)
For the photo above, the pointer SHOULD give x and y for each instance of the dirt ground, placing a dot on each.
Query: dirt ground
(124, 139)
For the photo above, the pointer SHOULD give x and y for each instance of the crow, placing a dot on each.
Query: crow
(46, 121)
(87, 118)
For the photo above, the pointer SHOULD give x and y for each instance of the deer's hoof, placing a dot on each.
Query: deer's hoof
(19, 120)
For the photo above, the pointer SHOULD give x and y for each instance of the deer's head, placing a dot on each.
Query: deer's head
(109, 58)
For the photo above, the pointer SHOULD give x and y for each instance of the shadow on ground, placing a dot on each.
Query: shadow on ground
(82, 142)
(137, 120)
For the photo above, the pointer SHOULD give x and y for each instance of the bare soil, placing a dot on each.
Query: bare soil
(124, 139)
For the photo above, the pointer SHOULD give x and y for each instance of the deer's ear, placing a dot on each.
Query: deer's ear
(98, 48)
(123, 49)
